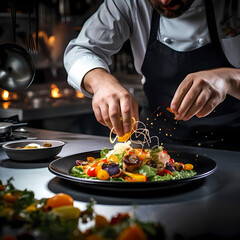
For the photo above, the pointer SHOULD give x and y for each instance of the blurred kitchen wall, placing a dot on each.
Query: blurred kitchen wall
(52, 24)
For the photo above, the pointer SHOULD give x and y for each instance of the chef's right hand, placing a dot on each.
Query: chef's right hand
(111, 101)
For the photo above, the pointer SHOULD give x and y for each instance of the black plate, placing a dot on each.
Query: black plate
(202, 165)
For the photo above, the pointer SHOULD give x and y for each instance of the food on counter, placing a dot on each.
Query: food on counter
(35, 145)
(22, 216)
(125, 163)
(128, 164)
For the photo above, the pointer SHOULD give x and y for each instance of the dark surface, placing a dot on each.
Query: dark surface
(204, 209)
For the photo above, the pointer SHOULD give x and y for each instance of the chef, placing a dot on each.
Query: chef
(188, 53)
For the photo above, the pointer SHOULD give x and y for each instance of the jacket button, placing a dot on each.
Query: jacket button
(167, 40)
(200, 40)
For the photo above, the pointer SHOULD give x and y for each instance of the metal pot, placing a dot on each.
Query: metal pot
(7, 128)
(17, 68)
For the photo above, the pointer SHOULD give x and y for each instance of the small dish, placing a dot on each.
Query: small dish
(15, 150)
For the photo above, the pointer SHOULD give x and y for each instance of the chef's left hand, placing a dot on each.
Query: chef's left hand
(199, 93)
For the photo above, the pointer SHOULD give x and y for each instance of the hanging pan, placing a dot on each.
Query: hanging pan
(17, 68)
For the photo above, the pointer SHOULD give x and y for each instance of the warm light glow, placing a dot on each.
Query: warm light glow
(5, 95)
(79, 94)
(6, 105)
(51, 40)
(55, 91)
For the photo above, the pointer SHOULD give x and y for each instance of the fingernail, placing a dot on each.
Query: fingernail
(173, 107)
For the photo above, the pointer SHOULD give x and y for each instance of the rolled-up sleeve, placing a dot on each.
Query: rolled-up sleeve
(101, 37)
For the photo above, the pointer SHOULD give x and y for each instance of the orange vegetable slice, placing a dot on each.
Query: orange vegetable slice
(188, 166)
(126, 136)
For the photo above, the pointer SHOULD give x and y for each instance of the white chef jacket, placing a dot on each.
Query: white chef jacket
(116, 21)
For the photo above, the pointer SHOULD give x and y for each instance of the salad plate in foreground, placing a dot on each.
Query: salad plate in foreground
(64, 168)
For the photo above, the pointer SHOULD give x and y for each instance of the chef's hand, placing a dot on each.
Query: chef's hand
(111, 101)
(199, 93)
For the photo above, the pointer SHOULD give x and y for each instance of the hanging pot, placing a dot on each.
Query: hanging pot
(17, 68)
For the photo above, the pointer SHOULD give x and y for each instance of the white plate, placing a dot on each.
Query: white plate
(34, 154)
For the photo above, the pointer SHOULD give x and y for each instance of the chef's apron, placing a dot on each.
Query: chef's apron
(164, 69)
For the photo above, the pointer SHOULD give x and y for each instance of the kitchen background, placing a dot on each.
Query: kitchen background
(50, 103)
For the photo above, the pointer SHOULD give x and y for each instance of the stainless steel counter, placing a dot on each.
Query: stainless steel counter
(206, 209)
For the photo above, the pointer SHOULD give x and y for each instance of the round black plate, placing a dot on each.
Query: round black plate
(202, 165)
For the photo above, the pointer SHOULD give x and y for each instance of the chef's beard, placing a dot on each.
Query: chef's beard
(168, 13)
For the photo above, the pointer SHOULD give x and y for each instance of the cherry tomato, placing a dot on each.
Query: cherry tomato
(132, 232)
(141, 154)
(11, 198)
(90, 159)
(103, 175)
(171, 160)
(98, 162)
(119, 218)
(188, 166)
(91, 172)
(164, 171)
(132, 151)
(100, 221)
(60, 199)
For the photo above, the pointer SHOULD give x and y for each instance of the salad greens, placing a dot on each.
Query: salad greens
(22, 216)
(124, 163)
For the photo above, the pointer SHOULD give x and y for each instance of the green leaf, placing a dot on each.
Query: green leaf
(147, 171)
(104, 152)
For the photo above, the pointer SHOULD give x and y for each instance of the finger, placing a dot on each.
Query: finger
(188, 100)
(114, 114)
(181, 91)
(135, 110)
(210, 105)
(198, 104)
(105, 116)
(98, 115)
(126, 111)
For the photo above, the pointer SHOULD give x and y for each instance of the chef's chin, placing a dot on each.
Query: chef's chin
(174, 9)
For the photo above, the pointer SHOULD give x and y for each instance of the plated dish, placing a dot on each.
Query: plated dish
(33, 150)
(127, 167)
(128, 164)
(203, 166)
